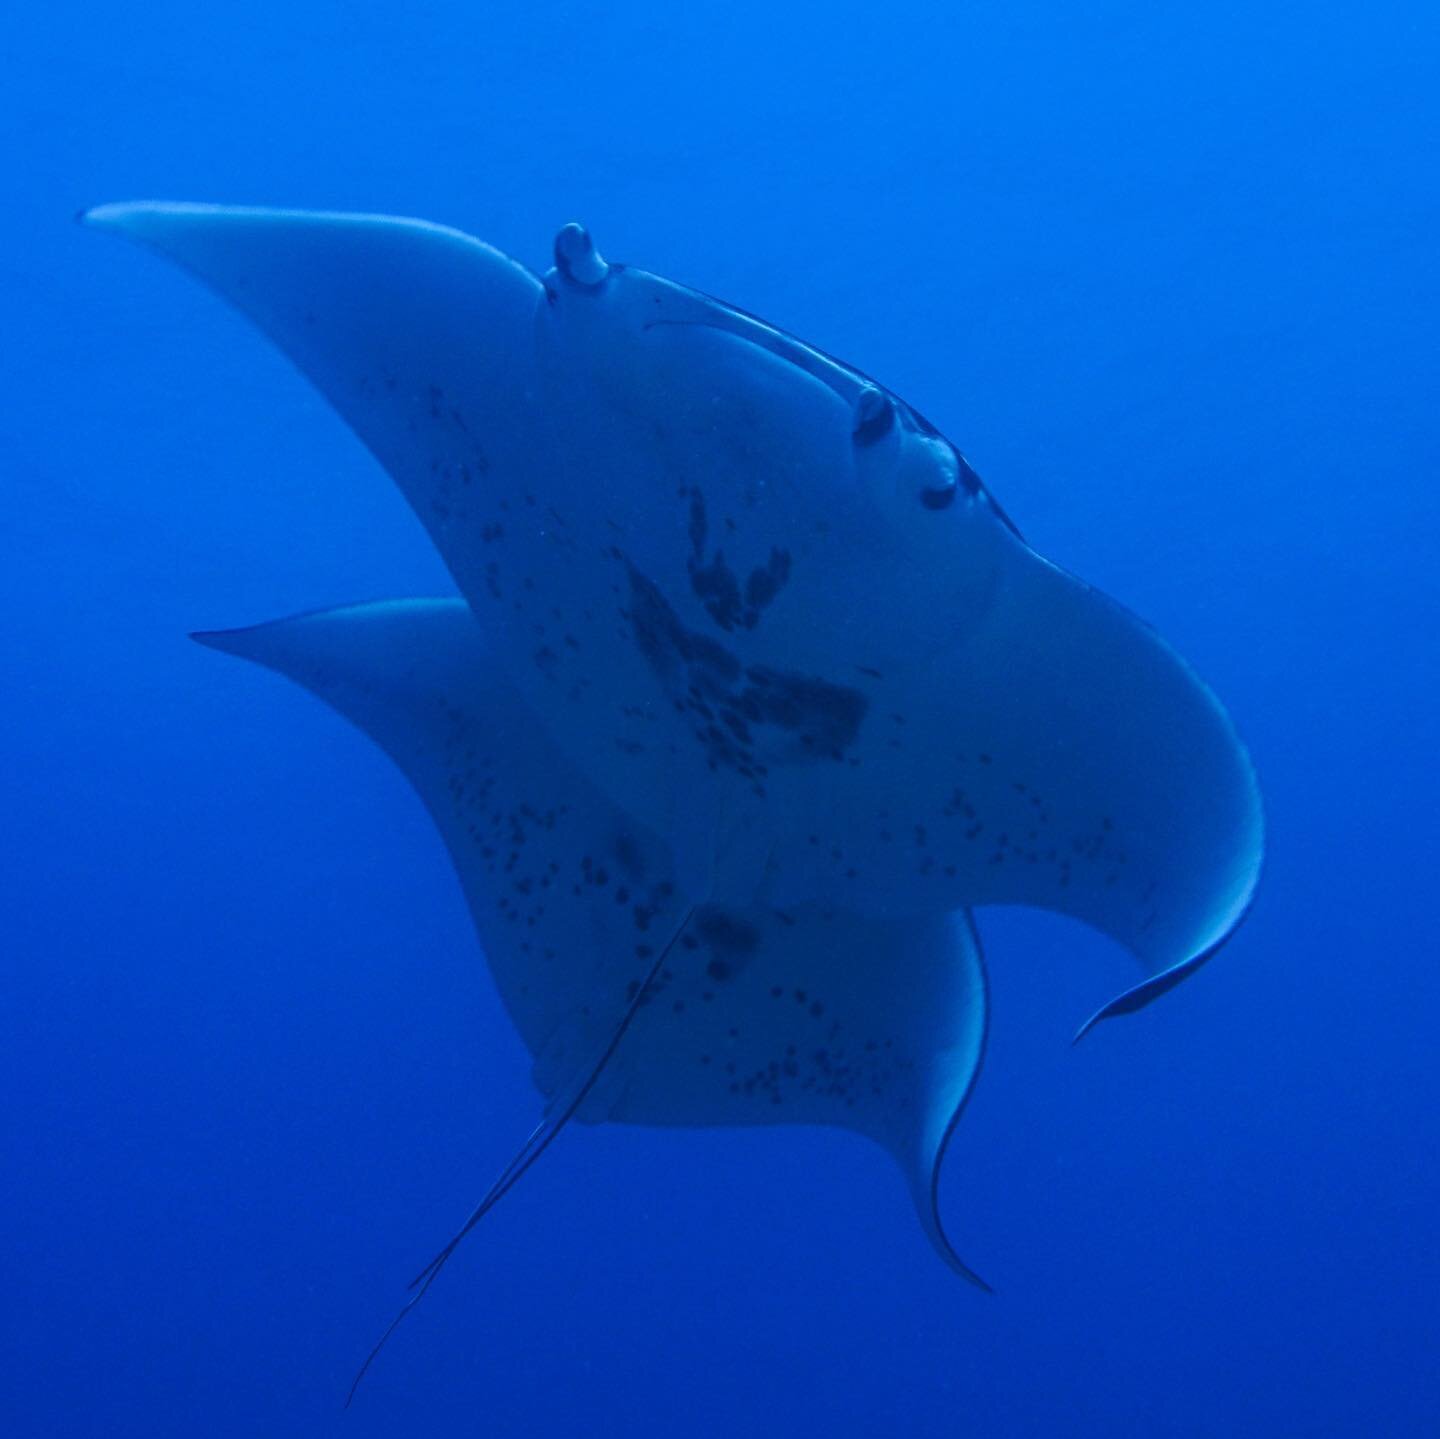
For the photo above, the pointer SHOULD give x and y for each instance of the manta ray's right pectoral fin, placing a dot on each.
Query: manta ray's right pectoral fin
(417, 334)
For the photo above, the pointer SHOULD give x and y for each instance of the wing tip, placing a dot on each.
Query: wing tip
(925, 1179)
(226, 641)
(100, 216)
(961, 1268)
(263, 644)
(935, 1231)
(1102, 1013)
(1148, 990)
(158, 222)
(123, 215)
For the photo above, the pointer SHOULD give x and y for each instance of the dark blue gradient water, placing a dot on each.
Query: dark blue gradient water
(1169, 275)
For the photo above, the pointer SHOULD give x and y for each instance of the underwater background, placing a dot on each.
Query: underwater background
(1169, 274)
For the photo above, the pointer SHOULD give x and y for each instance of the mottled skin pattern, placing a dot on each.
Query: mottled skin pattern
(740, 1016)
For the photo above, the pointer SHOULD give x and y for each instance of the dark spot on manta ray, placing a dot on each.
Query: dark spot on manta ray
(717, 586)
(698, 523)
(666, 644)
(704, 678)
(726, 932)
(827, 715)
(764, 583)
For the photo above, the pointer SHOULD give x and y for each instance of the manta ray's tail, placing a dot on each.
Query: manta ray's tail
(562, 1109)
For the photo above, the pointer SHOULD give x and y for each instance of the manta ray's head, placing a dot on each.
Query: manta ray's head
(867, 448)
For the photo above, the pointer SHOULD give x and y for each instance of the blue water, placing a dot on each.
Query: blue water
(1170, 275)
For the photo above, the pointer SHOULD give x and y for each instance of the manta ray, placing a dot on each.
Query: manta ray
(752, 692)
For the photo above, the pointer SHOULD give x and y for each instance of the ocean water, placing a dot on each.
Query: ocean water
(1170, 275)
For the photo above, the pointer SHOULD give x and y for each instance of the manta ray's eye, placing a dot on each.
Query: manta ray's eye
(939, 497)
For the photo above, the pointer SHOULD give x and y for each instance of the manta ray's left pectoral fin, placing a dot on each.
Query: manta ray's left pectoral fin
(416, 676)
(815, 1016)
